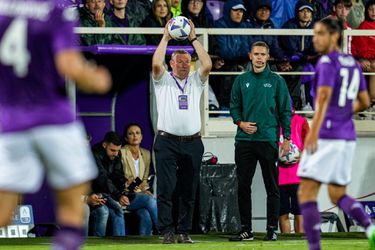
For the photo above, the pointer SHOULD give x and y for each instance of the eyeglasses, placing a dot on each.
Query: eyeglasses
(196, 1)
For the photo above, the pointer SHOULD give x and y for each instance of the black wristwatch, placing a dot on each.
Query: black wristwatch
(287, 138)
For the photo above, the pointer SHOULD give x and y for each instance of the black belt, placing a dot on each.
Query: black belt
(180, 138)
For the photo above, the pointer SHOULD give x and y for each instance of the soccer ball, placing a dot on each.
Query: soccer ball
(179, 28)
(292, 157)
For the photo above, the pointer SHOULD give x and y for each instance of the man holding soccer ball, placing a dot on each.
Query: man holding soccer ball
(178, 147)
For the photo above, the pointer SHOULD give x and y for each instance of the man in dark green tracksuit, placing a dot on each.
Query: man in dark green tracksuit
(260, 105)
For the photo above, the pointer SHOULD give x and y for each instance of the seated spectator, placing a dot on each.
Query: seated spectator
(122, 18)
(159, 17)
(298, 49)
(91, 200)
(322, 8)
(231, 50)
(136, 162)
(261, 20)
(341, 10)
(175, 7)
(282, 11)
(93, 14)
(356, 14)
(363, 47)
(139, 10)
(288, 179)
(109, 185)
(196, 10)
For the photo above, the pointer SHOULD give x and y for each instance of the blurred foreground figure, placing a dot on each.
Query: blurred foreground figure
(39, 131)
(339, 90)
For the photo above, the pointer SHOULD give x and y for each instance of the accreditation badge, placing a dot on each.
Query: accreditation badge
(183, 102)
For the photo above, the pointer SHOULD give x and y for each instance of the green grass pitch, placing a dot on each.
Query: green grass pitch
(331, 241)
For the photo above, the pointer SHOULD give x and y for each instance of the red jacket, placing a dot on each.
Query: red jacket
(364, 46)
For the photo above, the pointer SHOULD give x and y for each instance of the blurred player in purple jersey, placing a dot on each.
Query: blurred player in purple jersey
(339, 90)
(39, 131)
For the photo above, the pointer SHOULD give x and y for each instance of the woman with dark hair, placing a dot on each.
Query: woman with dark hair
(197, 11)
(136, 163)
(161, 14)
(363, 48)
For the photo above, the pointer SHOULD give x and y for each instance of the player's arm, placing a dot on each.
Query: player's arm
(159, 55)
(362, 102)
(204, 58)
(88, 77)
(323, 99)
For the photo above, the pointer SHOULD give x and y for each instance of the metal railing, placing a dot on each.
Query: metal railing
(224, 126)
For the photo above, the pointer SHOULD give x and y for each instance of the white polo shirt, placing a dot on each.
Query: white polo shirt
(171, 117)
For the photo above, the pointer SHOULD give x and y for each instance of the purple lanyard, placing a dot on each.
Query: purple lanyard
(178, 85)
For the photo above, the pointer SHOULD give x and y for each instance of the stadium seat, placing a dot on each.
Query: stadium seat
(329, 220)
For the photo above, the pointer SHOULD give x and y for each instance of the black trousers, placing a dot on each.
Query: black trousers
(247, 154)
(177, 167)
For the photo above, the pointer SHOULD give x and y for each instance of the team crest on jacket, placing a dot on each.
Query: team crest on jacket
(247, 84)
(267, 85)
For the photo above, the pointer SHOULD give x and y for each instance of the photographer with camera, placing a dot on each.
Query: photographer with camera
(136, 163)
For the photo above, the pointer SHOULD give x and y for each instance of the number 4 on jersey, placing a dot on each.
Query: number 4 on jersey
(13, 47)
(351, 92)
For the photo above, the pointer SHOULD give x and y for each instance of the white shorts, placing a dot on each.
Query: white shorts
(330, 164)
(61, 152)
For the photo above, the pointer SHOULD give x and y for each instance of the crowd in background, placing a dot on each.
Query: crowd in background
(230, 52)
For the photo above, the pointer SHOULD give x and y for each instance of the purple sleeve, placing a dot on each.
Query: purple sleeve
(326, 72)
(362, 83)
(62, 33)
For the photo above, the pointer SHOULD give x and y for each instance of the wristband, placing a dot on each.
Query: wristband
(286, 138)
(238, 122)
(192, 40)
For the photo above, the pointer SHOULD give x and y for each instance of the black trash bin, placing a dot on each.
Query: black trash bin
(218, 205)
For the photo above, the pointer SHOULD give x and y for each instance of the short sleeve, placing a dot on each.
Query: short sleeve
(62, 26)
(197, 78)
(326, 72)
(162, 78)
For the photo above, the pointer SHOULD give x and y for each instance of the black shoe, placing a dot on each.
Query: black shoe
(243, 235)
(271, 235)
(168, 238)
(184, 238)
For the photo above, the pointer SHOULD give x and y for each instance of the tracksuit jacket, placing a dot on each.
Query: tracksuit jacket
(262, 98)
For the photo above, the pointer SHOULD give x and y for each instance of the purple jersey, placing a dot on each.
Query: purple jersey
(344, 75)
(32, 93)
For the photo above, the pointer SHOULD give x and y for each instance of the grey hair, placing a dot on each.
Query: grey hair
(179, 52)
